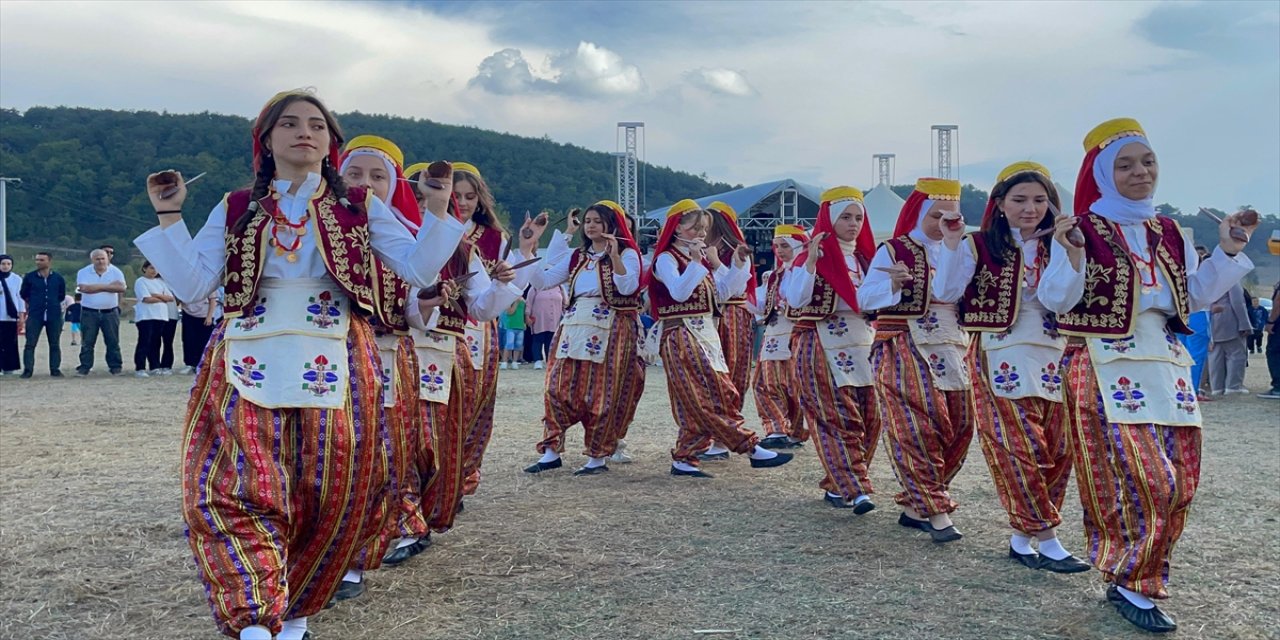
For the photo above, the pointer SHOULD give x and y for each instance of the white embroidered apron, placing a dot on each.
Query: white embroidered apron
(776, 343)
(846, 340)
(942, 343)
(436, 355)
(584, 330)
(1146, 377)
(1024, 361)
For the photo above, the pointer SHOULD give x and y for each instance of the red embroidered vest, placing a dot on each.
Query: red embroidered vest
(608, 290)
(915, 292)
(990, 302)
(453, 319)
(773, 304)
(702, 302)
(390, 295)
(1111, 279)
(341, 235)
(488, 244)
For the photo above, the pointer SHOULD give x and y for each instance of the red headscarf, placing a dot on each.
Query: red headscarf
(674, 214)
(926, 189)
(401, 198)
(623, 234)
(335, 137)
(725, 211)
(831, 265)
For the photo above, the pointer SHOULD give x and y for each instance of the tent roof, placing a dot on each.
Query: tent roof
(744, 199)
(883, 206)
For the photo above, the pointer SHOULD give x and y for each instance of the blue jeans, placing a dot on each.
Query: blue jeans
(53, 332)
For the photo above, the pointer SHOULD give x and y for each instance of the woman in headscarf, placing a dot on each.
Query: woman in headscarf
(832, 346)
(1123, 290)
(1017, 387)
(292, 367)
(593, 358)
(922, 382)
(687, 282)
(776, 392)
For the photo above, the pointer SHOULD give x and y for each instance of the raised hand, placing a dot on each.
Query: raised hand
(1236, 229)
(436, 190)
(952, 228)
(813, 251)
(572, 222)
(158, 183)
(741, 255)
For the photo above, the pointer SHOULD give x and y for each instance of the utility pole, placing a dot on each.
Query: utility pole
(4, 182)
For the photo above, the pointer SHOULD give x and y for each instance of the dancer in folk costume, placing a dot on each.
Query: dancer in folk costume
(593, 359)
(831, 344)
(484, 232)
(777, 395)
(922, 381)
(470, 293)
(284, 475)
(1130, 401)
(1013, 364)
(687, 281)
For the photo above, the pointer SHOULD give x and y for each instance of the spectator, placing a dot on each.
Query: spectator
(197, 325)
(1258, 320)
(150, 315)
(43, 291)
(11, 315)
(543, 313)
(167, 334)
(1273, 346)
(1198, 342)
(73, 316)
(1229, 326)
(513, 324)
(100, 285)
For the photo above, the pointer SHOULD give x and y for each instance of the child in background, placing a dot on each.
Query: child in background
(513, 325)
(73, 316)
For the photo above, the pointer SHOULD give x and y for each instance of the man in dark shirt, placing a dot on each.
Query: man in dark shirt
(43, 290)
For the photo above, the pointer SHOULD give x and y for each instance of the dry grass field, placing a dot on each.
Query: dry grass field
(91, 542)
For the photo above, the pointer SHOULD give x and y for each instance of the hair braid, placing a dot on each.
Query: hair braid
(337, 184)
(261, 183)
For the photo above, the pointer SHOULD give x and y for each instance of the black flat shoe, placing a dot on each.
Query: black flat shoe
(1069, 564)
(911, 523)
(946, 534)
(866, 506)
(422, 544)
(776, 461)
(713, 456)
(1153, 619)
(776, 442)
(537, 467)
(1028, 560)
(349, 590)
(591, 471)
(836, 501)
(696, 473)
(397, 557)
(306, 635)
(55, 373)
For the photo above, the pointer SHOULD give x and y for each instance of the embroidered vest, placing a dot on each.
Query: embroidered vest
(915, 292)
(341, 235)
(453, 319)
(773, 303)
(990, 302)
(488, 244)
(608, 290)
(1111, 279)
(702, 302)
(390, 295)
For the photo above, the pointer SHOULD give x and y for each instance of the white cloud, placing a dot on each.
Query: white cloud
(722, 81)
(588, 71)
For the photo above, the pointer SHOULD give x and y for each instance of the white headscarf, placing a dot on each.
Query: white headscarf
(1112, 205)
(917, 233)
(391, 171)
(837, 208)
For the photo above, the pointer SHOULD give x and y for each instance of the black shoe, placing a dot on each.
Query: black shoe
(776, 461)
(946, 534)
(591, 471)
(911, 523)
(82, 372)
(776, 442)
(116, 372)
(422, 544)
(836, 501)
(349, 590)
(537, 467)
(397, 557)
(1153, 619)
(1069, 564)
(713, 456)
(56, 373)
(1028, 560)
(866, 506)
(696, 473)
(306, 635)
(27, 374)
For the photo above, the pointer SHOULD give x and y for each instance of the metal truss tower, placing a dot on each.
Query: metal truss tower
(627, 166)
(884, 168)
(947, 137)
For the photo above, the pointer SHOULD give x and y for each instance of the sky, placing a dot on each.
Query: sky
(742, 91)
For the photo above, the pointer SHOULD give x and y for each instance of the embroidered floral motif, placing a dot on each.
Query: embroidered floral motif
(573, 308)
(1185, 396)
(386, 380)
(473, 346)
(320, 377)
(1175, 345)
(697, 323)
(432, 379)
(600, 312)
(1119, 345)
(845, 362)
(593, 345)
(836, 326)
(928, 323)
(249, 372)
(1128, 395)
(1049, 378)
(323, 311)
(1050, 325)
(938, 365)
(1006, 377)
(772, 344)
(1003, 335)
(251, 320)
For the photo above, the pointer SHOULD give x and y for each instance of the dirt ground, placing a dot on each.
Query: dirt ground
(91, 542)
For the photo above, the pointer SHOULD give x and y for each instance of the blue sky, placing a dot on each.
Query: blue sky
(744, 92)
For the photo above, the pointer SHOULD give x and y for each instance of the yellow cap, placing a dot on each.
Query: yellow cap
(682, 207)
(939, 188)
(1022, 167)
(1110, 131)
(788, 230)
(415, 167)
(724, 208)
(468, 167)
(377, 143)
(612, 205)
(285, 94)
(841, 193)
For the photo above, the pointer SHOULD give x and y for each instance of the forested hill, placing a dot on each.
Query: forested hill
(82, 170)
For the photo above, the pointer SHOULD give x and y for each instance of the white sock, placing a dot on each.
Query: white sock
(792, 440)
(622, 444)
(761, 453)
(1021, 543)
(353, 576)
(549, 456)
(1052, 549)
(716, 449)
(594, 462)
(834, 495)
(861, 499)
(683, 466)
(256, 632)
(293, 629)
(774, 435)
(1138, 600)
(404, 542)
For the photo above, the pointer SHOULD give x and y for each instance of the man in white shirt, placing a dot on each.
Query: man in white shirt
(100, 285)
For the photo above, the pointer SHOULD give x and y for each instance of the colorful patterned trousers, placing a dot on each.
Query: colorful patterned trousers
(702, 399)
(845, 422)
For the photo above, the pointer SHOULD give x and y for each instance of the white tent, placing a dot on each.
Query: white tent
(883, 206)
